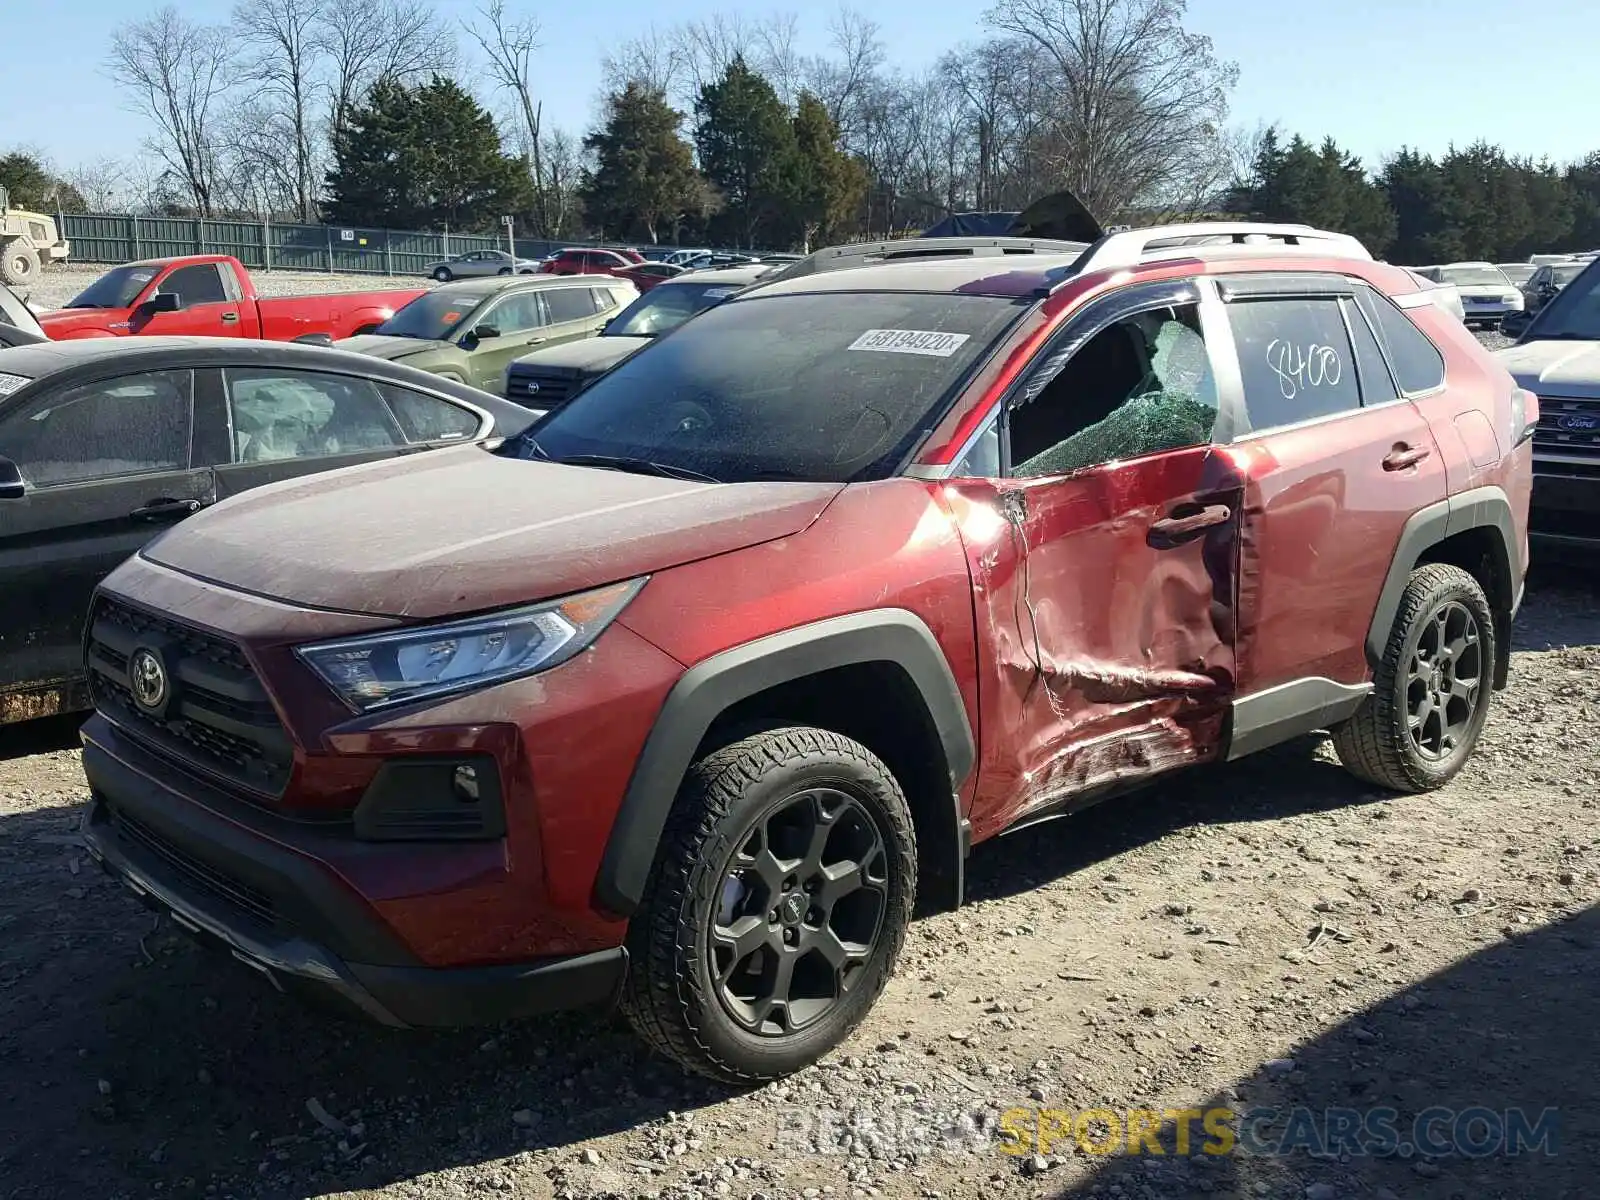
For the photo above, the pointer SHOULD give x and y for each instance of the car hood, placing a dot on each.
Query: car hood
(377, 345)
(64, 322)
(588, 354)
(1555, 368)
(463, 530)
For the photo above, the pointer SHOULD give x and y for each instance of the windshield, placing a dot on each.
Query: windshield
(117, 288)
(1574, 312)
(1565, 274)
(829, 386)
(663, 309)
(433, 315)
(1474, 277)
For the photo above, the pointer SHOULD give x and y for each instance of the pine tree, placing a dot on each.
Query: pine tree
(746, 144)
(644, 178)
(826, 185)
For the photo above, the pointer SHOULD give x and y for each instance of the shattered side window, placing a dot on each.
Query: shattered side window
(1140, 386)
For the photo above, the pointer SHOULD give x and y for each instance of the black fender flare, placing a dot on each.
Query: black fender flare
(711, 687)
(1485, 507)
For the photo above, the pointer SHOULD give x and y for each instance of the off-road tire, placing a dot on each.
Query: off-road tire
(1375, 745)
(444, 275)
(19, 263)
(670, 997)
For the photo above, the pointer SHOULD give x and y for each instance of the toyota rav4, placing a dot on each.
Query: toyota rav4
(687, 697)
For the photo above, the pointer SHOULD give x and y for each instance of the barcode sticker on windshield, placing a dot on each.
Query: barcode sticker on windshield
(10, 383)
(719, 293)
(909, 341)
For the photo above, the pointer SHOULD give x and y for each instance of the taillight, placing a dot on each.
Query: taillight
(1524, 415)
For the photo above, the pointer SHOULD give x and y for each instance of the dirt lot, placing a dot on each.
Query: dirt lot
(1271, 933)
(57, 285)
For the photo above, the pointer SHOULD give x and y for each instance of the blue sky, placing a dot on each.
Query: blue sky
(1375, 74)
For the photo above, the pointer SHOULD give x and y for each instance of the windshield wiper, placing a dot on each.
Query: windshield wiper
(639, 466)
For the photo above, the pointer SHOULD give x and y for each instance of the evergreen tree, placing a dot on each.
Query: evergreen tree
(32, 186)
(1322, 186)
(644, 178)
(746, 145)
(415, 158)
(826, 184)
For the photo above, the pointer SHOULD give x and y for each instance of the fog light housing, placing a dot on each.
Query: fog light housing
(456, 799)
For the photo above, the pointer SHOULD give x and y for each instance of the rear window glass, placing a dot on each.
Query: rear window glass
(1295, 357)
(1417, 364)
(831, 387)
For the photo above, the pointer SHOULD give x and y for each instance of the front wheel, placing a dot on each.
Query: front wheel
(503, 271)
(19, 263)
(776, 906)
(1431, 692)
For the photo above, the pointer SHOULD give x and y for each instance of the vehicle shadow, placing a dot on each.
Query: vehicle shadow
(131, 1057)
(1561, 609)
(1467, 1070)
(41, 736)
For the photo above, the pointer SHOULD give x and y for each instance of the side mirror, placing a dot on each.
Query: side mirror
(162, 302)
(485, 331)
(11, 485)
(1514, 325)
(607, 324)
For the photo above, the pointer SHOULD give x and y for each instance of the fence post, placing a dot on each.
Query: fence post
(388, 254)
(199, 235)
(133, 225)
(329, 230)
(266, 240)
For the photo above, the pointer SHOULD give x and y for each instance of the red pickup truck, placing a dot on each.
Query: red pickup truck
(212, 294)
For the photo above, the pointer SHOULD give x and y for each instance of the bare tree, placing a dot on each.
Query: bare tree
(843, 82)
(1137, 103)
(652, 58)
(508, 45)
(777, 56)
(174, 71)
(368, 40)
(102, 182)
(283, 57)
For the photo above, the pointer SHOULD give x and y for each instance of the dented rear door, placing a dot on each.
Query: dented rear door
(1105, 594)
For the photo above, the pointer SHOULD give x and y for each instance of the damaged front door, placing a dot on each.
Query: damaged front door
(1104, 553)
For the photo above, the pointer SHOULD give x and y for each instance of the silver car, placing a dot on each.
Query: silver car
(1487, 296)
(480, 262)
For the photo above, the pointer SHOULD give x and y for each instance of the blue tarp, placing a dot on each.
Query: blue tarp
(991, 224)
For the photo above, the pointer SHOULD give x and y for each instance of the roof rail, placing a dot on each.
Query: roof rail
(862, 254)
(1128, 248)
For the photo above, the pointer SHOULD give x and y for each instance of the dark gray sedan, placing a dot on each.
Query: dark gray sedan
(105, 442)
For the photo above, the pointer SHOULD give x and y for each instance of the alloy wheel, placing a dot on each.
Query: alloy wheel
(1444, 682)
(800, 911)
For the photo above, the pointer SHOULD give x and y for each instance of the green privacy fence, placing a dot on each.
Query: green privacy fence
(266, 246)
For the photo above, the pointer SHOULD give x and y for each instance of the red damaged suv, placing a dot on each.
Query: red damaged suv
(685, 697)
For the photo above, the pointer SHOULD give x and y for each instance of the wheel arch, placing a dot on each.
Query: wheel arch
(1476, 531)
(928, 743)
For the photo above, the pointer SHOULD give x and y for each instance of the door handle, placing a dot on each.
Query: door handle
(535, 341)
(165, 510)
(1175, 530)
(1403, 456)
(228, 318)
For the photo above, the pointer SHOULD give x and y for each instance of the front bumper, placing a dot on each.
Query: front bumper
(280, 914)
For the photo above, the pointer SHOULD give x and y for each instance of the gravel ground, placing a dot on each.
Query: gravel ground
(1270, 933)
(57, 285)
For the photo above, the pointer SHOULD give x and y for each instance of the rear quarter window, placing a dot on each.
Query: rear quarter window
(1416, 362)
(1296, 359)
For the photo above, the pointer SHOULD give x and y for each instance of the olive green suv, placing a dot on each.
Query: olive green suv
(470, 331)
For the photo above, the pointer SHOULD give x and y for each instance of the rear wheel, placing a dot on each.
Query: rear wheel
(503, 271)
(19, 263)
(1431, 692)
(444, 274)
(776, 907)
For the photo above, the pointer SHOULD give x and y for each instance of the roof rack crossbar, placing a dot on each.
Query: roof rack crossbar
(1128, 248)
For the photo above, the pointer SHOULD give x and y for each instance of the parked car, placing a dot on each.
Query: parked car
(470, 331)
(587, 262)
(1487, 296)
(1548, 280)
(1517, 273)
(552, 375)
(19, 324)
(106, 444)
(478, 263)
(687, 694)
(723, 258)
(1446, 295)
(645, 276)
(212, 295)
(1557, 357)
(680, 256)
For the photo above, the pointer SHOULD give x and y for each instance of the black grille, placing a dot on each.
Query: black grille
(1568, 427)
(539, 388)
(220, 721)
(198, 876)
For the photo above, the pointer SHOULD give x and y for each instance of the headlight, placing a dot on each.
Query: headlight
(381, 669)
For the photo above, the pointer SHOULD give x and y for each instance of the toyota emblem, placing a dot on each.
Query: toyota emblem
(147, 678)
